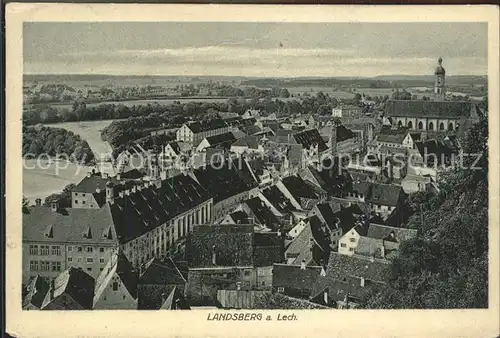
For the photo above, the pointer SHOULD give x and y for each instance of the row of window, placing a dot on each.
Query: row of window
(89, 260)
(430, 126)
(76, 194)
(45, 250)
(45, 266)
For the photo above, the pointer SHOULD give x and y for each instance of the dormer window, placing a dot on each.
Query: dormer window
(49, 232)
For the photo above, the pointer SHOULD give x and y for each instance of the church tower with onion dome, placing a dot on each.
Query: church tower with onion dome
(439, 82)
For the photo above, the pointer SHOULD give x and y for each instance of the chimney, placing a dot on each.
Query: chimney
(38, 202)
(134, 188)
(382, 251)
(127, 192)
(325, 296)
(303, 265)
(362, 282)
(214, 256)
(109, 192)
(118, 176)
(54, 205)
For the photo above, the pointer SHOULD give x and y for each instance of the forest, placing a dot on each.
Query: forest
(38, 140)
(446, 266)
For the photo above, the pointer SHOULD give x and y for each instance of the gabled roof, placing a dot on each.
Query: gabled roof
(140, 212)
(175, 301)
(292, 276)
(167, 272)
(41, 224)
(251, 130)
(385, 194)
(198, 127)
(232, 245)
(274, 195)
(344, 134)
(298, 188)
(250, 141)
(125, 271)
(310, 137)
(395, 136)
(262, 213)
(224, 182)
(312, 234)
(343, 266)
(37, 289)
(76, 284)
(436, 109)
(224, 140)
(378, 231)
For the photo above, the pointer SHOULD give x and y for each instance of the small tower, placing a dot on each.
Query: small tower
(439, 83)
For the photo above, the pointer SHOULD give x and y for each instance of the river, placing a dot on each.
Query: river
(42, 178)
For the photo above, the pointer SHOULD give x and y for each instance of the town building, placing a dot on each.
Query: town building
(195, 132)
(36, 291)
(347, 111)
(295, 280)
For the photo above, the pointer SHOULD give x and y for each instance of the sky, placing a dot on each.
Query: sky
(254, 49)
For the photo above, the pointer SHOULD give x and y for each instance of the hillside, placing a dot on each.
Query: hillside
(447, 265)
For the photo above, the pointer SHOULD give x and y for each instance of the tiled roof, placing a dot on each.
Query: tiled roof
(225, 140)
(75, 283)
(37, 289)
(392, 135)
(367, 247)
(298, 188)
(165, 272)
(343, 266)
(145, 209)
(385, 194)
(198, 127)
(238, 299)
(252, 130)
(175, 301)
(250, 141)
(337, 289)
(41, 224)
(310, 137)
(292, 276)
(268, 249)
(344, 134)
(436, 109)
(378, 231)
(239, 217)
(312, 234)
(231, 244)
(262, 213)
(278, 199)
(361, 187)
(224, 182)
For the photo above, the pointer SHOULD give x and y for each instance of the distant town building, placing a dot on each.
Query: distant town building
(347, 111)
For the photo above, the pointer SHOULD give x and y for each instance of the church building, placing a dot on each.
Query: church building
(436, 116)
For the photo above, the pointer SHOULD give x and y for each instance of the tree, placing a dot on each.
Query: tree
(284, 93)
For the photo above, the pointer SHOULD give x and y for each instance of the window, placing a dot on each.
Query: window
(33, 249)
(91, 205)
(80, 249)
(56, 266)
(342, 245)
(90, 249)
(83, 195)
(247, 273)
(101, 249)
(76, 194)
(115, 286)
(76, 201)
(45, 266)
(56, 250)
(90, 260)
(83, 202)
(281, 289)
(70, 248)
(44, 250)
(101, 260)
(70, 259)
(33, 265)
(352, 240)
(351, 249)
(89, 269)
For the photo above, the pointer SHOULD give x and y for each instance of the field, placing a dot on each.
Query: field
(339, 94)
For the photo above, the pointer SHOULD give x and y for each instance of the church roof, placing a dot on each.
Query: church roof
(429, 109)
